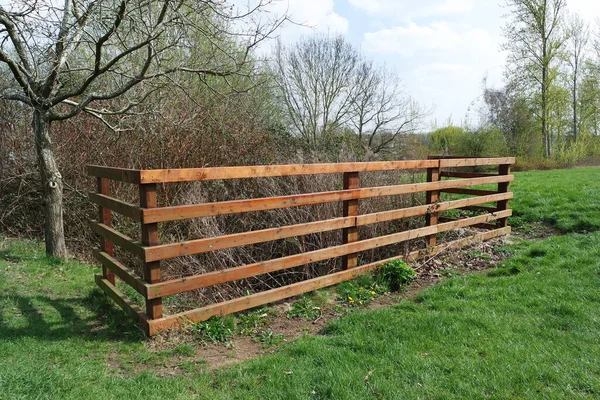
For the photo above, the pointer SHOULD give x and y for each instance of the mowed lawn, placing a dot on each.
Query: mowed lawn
(528, 329)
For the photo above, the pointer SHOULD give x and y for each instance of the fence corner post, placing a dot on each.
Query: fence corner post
(503, 187)
(150, 238)
(350, 209)
(433, 197)
(105, 217)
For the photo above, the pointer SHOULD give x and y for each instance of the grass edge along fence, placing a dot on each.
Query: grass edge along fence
(151, 252)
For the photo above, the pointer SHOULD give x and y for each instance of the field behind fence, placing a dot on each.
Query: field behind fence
(460, 173)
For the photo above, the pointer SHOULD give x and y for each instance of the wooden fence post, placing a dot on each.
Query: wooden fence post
(432, 197)
(150, 238)
(350, 207)
(104, 217)
(503, 187)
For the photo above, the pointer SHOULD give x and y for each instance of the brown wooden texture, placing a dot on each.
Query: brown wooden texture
(503, 187)
(270, 203)
(121, 240)
(432, 197)
(255, 300)
(245, 271)
(472, 192)
(191, 247)
(115, 174)
(261, 171)
(350, 209)
(150, 238)
(460, 174)
(165, 251)
(473, 162)
(118, 206)
(479, 208)
(126, 274)
(104, 216)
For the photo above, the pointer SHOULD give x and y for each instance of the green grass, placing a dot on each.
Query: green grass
(528, 329)
(568, 199)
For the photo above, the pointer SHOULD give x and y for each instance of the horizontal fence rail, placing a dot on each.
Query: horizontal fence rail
(149, 214)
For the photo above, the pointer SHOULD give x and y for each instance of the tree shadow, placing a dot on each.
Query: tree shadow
(90, 317)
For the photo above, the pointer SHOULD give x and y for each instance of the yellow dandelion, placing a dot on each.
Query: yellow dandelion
(350, 299)
(373, 293)
(360, 302)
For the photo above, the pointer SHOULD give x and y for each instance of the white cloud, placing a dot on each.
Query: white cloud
(410, 9)
(415, 40)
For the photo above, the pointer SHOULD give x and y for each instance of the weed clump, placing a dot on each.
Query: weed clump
(395, 274)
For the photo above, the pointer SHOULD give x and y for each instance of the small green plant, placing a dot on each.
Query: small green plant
(250, 322)
(395, 274)
(268, 338)
(215, 329)
(304, 308)
(360, 291)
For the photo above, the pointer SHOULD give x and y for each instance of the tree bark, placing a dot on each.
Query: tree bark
(52, 184)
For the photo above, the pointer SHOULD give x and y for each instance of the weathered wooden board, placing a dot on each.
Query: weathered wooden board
(270, 203)
(190, 247)
(262, 171)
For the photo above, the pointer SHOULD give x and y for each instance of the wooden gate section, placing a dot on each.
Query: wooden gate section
(149, 214)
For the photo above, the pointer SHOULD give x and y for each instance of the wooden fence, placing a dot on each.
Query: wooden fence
(151, 252)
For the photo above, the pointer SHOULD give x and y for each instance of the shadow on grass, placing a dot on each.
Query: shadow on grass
(91, 317)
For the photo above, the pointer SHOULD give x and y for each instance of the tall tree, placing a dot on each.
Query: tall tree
(534, 40)
(327, 86)
(578, 37)
(65, 56)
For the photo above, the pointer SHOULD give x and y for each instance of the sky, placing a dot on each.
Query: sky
(441, 49)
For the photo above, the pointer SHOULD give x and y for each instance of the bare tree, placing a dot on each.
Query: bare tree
(71, 56)
(327, 86)
(381, 109)
(534, 40)
(578, 34)
(316, 81)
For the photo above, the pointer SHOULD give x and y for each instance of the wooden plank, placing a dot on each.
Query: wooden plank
(176, 213)
(127, 274)
(432, 197)
(115, 174)
(479, 208)
(472, 162)
(457, 174)
(148, 200)
(478, 226)
(104, 216)
(503, 187)
(121, 240)
(350, 209)
(258, 299)
(121, 207)
(197, 246)
(245, 271)
(424, 209)
(472, 192)
(261, 171)
(163, 252)
(123, 301)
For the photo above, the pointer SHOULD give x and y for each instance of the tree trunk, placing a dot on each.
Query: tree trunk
(52, 183)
